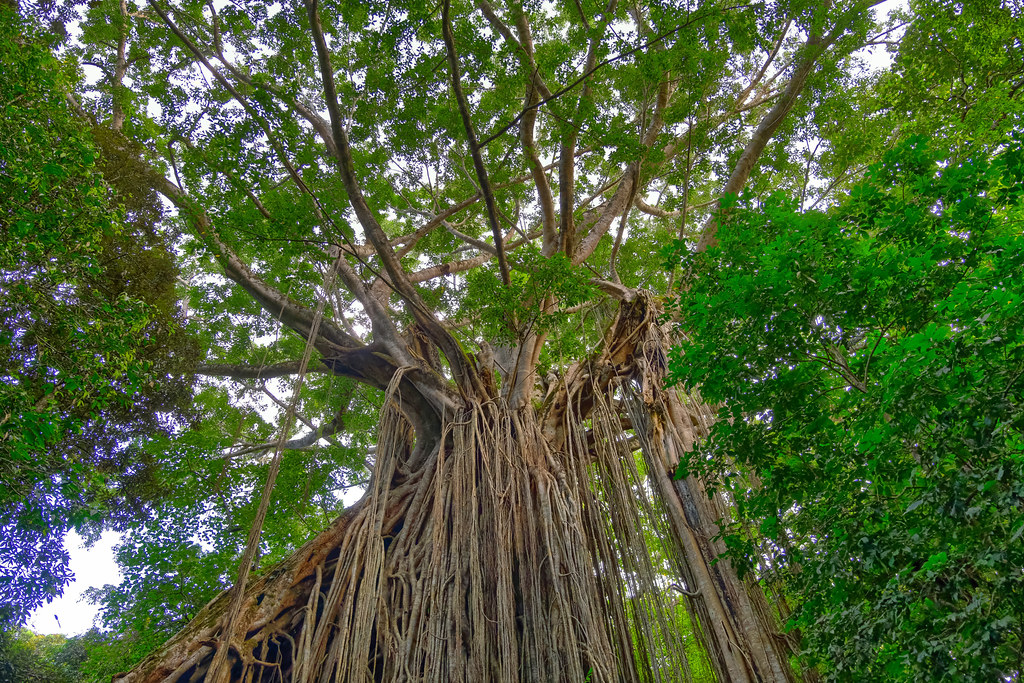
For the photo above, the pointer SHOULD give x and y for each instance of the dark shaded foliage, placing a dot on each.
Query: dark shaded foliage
(870, 361)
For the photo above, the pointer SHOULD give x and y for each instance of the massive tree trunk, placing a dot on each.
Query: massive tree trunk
(511, 544)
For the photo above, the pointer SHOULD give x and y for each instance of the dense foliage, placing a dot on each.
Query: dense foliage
(91, 350)
(870, 360)
(29, 658)
(237, 167)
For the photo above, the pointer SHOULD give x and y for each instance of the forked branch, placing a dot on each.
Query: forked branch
(813, 48)
(461, 369)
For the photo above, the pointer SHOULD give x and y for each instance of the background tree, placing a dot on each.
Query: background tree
(92, 352)
(870, 361)
(29, 658)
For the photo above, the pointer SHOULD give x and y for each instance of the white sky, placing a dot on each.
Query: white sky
(93, 566)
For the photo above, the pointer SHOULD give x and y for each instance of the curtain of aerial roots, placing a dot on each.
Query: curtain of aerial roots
(740, 630)
(496, 560)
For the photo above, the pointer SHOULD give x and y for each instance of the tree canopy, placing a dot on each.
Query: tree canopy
(301, 247)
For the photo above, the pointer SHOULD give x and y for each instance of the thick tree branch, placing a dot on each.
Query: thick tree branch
(540, 176)
(291, 313)
(346, 168)
(756, 80)
(567, 149)
(616, 290)
(629, 187)
(443, 269)
(474, 147)
(406, 243)
(523, 45)
(472, 241)
(246, 371)
(337, 420)
(535, 89)
(810, 52)
(457, 360)
(665, 213)
(344, 354)
(322, 127)
(383, 325)
(120, 68)
(325, 432)
(612, 266)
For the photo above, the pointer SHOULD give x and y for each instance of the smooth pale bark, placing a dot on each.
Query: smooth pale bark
(748, 642)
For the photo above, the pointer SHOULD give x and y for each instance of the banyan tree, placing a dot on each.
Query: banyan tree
(458, 209)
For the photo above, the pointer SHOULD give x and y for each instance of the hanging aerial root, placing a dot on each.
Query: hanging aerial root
(634, 542)
(475, 568)
(510, 562)
(480, 553)
(741, 634)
